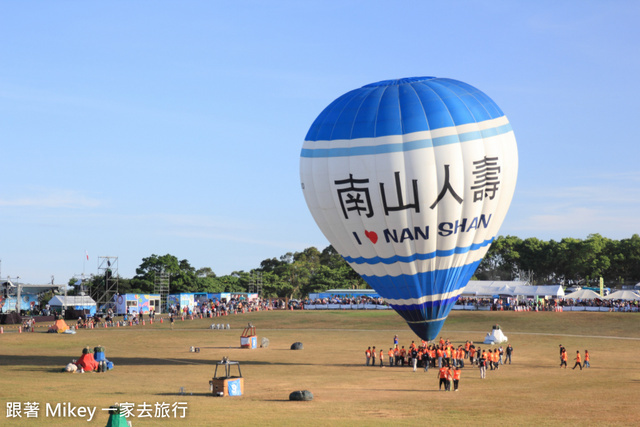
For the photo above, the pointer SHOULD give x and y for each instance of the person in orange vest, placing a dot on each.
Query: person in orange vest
(456, 378)
(396, 356)
(496, 358)
(467, 347)
(563, 359)
(450, 378)
(443, 372)
(472, 354)
(587, 359)
(373, 356)
(578, 360)
(391, 356)
(367, 353)
(403, 355)
(381, 358)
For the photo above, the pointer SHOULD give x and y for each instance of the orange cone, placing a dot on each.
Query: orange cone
(161, 320)
(143, 322)
(1, 330)
(20, 329)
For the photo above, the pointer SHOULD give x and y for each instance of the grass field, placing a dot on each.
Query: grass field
(153, 362)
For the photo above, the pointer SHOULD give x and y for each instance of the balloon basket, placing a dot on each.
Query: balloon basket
(226, 384)
(249, 339)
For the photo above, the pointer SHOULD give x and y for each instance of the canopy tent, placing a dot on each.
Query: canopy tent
(487, 288)
(625, 295)
(77, 302)
(583, 294)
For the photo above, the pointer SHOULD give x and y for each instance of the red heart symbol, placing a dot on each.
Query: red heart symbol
(372, 236)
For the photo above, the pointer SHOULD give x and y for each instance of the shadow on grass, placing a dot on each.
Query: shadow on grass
(61, 361)
(186, 393)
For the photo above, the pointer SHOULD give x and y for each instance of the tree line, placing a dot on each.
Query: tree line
(296, 274)
(568, 261)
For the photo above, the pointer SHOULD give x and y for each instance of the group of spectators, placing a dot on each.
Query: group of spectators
(346, 300)
(499, 304)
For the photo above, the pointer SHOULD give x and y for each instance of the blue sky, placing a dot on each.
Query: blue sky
(151, 127)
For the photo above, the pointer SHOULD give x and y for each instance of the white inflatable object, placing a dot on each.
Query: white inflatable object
(495, 337)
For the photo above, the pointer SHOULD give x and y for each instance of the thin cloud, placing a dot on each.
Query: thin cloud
(53, 199)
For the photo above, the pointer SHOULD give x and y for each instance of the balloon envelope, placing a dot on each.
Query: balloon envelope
(410, 180)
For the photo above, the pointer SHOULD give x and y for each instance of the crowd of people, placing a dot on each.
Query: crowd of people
(344, 300)
(506, 304)
(448, 359)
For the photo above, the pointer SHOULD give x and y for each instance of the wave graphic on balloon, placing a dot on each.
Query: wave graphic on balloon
(410, 180)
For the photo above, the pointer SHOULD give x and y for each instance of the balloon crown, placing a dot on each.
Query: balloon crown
(397, 82)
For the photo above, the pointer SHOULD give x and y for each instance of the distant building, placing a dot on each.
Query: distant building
(137, 303)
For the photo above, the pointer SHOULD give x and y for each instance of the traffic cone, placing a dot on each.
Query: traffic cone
(161, 320)
(151, 321)
(143, 322)
(1, 330)
(19, 329)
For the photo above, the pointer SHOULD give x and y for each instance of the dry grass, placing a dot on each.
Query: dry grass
(153, 362)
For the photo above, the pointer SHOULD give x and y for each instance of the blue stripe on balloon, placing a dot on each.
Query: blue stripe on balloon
(425, 319)
(405, 146)
(416, 286)
(418, 257)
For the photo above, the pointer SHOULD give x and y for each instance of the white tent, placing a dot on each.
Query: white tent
(78, 302)
(487, 288)
(583, 294)
(625, 295)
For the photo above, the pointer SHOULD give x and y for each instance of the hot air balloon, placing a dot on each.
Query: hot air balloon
(410, 180)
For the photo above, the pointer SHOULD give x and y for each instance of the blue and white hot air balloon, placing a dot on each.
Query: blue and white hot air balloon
(410, 180)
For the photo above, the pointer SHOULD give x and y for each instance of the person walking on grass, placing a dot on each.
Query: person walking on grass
(482, 364)
(578, 360)
(507, 353)
(563, 359)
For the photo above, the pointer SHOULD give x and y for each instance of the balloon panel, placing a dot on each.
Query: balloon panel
(410, 180)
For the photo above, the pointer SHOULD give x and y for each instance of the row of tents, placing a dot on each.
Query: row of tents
(588, 294)
(499, 289)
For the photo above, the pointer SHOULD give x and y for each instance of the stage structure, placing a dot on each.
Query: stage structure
(108, 270)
